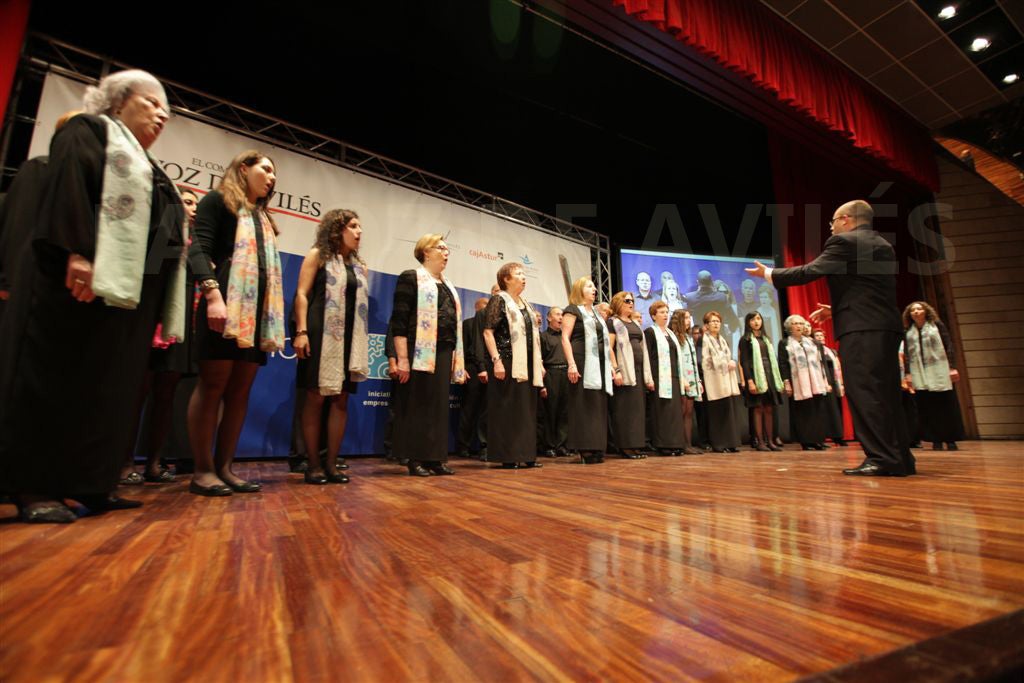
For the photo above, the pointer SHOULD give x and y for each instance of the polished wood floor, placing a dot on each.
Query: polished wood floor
(748, 567)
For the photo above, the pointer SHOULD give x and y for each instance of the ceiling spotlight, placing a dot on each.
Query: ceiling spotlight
(1009, 79)
(980, 44)
(947, 12)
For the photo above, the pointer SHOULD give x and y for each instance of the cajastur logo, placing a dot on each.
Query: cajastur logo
(525, 258)
(486, 255)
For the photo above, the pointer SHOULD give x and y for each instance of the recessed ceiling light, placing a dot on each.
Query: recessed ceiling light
(980, 44)
(947, 12)
(1010, 78)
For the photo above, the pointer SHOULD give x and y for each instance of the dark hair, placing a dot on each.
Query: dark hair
(747, 332)
(328, 234)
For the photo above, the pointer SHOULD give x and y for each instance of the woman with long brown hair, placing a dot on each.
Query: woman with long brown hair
(691, 390)
(240, 317)
(931, 371)
(331, 341)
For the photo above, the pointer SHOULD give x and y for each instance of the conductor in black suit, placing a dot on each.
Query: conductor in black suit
(860, 267)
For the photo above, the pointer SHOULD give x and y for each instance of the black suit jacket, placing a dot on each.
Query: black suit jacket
(469, 345)
(860, 267)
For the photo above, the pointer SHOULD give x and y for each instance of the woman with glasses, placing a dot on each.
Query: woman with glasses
(632, 376)
(803, 375)
(664, 420)
(425, 324)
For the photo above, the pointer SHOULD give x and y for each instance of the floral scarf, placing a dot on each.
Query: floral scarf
(332, 355)
(244, 285)
(691, 373)
(808, 377)
(517, 333)
(661, 338)
(425, 353)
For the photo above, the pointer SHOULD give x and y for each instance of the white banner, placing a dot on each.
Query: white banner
(393, 217)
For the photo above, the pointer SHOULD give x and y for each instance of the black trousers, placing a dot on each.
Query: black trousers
(556, 408)
(473, 418)
(873, 391)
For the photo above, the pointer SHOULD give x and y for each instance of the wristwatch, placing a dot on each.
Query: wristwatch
(209, 285)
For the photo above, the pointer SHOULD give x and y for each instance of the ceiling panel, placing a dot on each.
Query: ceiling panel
(862, 54)
(927, 107)
(898, 83)
(862, 12)
(965, 89)
(822, 22)
(937, 61)
(903, 30)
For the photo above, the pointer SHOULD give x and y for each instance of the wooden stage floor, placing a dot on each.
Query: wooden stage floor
(748, 567)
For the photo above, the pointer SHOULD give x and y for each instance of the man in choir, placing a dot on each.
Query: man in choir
(860, 267)
(473, 418)
(604, 308)
(555, 407)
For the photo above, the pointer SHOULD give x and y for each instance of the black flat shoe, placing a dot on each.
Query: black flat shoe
(937, 446)
(133, 479)
(164, 477)
(49, 512)
(315, 479)
(100, 503)
(951, 445)
(417, 470)
(337, 478)
(510, 466)
(440, 469)
(532, 465)
(342, 465)
(214, 491)
(246, 487)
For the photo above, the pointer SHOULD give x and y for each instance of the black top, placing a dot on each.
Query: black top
(213, 240)
(19, 213)
(652, 350)
(636, 342)
(551, 351)
(579, 334)
(496, 320)
(403, 312)
(860, 267)
(474, 364)
(746, 352)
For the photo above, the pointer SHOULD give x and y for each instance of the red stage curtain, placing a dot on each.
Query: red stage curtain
(747, 37)
(13, 22)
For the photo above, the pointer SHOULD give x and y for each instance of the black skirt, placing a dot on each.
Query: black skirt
(181, 357)
(421, 412)
(810, 419)
(588, 419)
(212, 345)
(834, 416)
(627, 415)
(665, 418)
(938, 415)
(511, 420)
(722, 432)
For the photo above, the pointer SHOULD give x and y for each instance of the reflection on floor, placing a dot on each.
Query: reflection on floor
(754, 566)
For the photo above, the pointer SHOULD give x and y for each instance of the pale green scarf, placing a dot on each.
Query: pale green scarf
(926, 356)
(760, 381)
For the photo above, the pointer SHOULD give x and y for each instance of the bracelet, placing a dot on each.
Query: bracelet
(209, 285)
(300, 333)
(616, 371)
(495, 359)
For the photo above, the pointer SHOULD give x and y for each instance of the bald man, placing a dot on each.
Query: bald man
(860, 267)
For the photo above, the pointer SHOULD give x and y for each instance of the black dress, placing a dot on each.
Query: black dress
(512, 405)
(307, 372)
(833, 402)
(180, 357)
(421, 404)
(665, 415)
(71, 385)
(627, 405)
(771, 397)
(588, 408)
(213, 241)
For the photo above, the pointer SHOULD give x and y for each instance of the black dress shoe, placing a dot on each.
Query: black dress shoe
(870, 469)
(951, 445)
(209, 491)
(336, 477)
(532, 465)
(48, 512)
(341, 465)
(132, 479)
(463, 453)
(773, 447)
(164, 477)
(246, 487)
(510, 466)
(439, 468)
(561, 452)
(101, 503)
(417, 470)
(548, 453)
(314, 478)
(937, 446)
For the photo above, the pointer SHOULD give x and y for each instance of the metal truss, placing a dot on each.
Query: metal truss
(43, 54)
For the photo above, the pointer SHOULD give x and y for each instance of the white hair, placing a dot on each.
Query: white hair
(793, 320)
(111, 92)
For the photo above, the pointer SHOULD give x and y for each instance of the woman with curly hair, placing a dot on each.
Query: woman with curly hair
(331, 342)
(240, 317)
(931, 371)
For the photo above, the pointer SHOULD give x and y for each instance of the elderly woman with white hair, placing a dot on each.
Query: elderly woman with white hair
(803, 375)
(107, 267)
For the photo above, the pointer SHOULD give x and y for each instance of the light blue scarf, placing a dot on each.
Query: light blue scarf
(592, 369)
